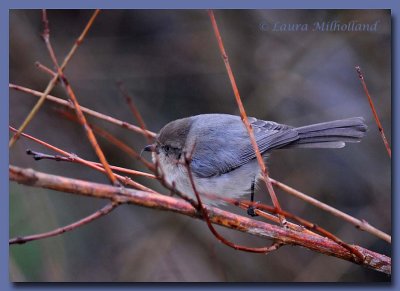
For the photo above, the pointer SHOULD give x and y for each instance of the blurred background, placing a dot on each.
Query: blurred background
(169, 62)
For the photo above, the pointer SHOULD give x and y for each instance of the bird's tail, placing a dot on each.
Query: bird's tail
(332, 134)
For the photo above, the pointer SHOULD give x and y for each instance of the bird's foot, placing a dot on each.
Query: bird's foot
(251, 210)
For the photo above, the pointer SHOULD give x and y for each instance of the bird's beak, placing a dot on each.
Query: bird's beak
(149, 148)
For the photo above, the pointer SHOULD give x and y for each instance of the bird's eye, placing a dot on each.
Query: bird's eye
(166, 148)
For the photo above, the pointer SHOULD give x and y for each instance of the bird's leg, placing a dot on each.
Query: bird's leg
(250, 210)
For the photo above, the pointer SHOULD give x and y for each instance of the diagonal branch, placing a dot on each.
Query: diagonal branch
(99, 213)
(78, 110)
(371, 104)
(360, 224)
(53, 81)
(113, 140)
(243, 115)
(135, 112)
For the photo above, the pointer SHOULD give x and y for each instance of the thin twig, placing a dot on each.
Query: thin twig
(99, 213)
(360, 224)
(53, 81)
(72, 159)
(30, 177)
(371, 104)
(78, 110)
(135, 111)
(113, 140)
(46, 38)
(91, 112)
(243, 115)
(45, 69)
(124, 180)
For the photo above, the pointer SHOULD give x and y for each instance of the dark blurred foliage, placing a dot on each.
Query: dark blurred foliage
(170, 63)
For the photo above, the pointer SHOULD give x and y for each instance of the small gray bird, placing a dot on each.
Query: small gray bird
(223, 160)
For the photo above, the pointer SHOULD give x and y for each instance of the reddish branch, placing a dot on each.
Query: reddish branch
(314, 227)
(75, 158)
(135, 112)
(53, 81)
(91, 112)
(72, 158)
(305, 224)
(78, 110)
(360, 224)
(243, 115)
(371, 104)
(326, 246)
(99, 213)
(114, 140)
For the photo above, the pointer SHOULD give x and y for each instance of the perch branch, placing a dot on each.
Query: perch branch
(305, 225)
(326, 246)
(242, 204)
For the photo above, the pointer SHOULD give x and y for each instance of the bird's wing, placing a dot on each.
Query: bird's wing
(218, 153)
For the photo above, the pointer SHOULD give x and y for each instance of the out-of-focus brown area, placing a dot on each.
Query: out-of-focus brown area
(169, 62)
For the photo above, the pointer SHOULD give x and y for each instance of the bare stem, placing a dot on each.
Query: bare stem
(74, 99)
(360, 224)
(135, 111)
(113, 140)
(371, 104)
(99, 213)
(243, 115)
(73, 159)
(53, 81)
(124, 180)
(91, 112)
